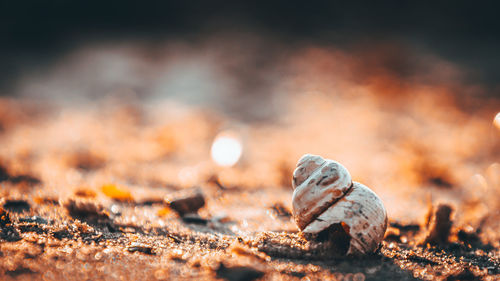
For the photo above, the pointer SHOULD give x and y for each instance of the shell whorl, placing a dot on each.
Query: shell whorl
(317, 183)
(324, 194)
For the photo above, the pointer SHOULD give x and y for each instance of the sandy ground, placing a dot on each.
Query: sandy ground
(84, 187)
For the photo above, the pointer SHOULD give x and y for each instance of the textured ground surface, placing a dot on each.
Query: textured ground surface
(82, 187)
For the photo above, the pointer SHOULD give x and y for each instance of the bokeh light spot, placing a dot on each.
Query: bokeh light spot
(226, 149)
(496, 121)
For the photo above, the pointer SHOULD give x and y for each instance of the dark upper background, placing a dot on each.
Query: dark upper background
(466, 33)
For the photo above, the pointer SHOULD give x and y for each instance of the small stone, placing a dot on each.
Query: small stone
(186, 203)
(61, 234)
(17, 206)
(238, 273)
(141, 248)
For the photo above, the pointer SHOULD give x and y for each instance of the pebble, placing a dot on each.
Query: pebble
(188, 203)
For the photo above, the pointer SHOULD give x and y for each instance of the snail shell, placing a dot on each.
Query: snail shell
(324, 194)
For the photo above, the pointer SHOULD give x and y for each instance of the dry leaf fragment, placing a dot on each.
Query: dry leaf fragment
(117, 193)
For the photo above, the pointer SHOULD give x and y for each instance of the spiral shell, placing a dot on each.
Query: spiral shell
(324, 194)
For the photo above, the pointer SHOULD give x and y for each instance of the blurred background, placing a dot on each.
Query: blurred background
(255, 39)
(160, 93)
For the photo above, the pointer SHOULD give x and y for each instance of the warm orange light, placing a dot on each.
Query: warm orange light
(496, 121)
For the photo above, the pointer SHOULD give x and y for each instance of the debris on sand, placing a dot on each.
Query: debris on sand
(145, 249)
(439, 226)
(4, 218)
(47, 200)
(7, 231)
(188, 203)
(194, 218)
(281, 210)
(25, 179)
(150, 201)
(85, 210)
(4, 175)
(393, 234)
(241, 250)
(117, 193)
(163, 212)
(85, 193)
(18, 179)
(412, 228)
(464, 274)
(17, 206)
(468, 237)
(214, 179)
(331, 243)
(62, 233)
(238, 273)
(85, 161)
(33, 219)
(10, 234)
